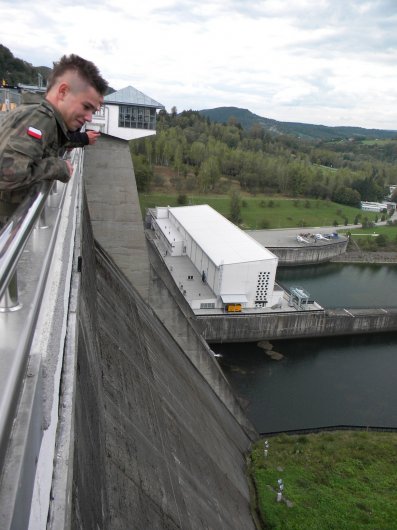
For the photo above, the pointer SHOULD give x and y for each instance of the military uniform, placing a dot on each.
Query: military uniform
(31, 137)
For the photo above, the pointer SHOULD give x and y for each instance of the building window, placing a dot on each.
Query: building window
(137, 117)
(207, 305)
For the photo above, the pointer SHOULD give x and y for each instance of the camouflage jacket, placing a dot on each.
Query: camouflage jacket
(31, 137)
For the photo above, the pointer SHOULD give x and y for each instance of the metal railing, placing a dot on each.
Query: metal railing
(13, 239)
(28, 237)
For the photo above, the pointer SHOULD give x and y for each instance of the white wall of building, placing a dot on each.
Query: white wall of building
(255, 280)
(108, 123)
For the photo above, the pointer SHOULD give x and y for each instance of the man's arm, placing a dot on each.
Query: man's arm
(81, 139)
(22, 164)
(77, 139)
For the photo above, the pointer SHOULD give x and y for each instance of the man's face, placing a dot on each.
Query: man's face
(78, 106)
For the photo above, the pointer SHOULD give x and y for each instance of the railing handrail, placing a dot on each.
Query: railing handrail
(14, 237)
(15, 234)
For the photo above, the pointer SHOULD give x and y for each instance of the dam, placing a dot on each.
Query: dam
(114, 413)
(109, 420)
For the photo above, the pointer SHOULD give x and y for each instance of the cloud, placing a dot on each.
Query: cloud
(314, 61)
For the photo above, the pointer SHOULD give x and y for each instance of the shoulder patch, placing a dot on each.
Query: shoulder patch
(35, 133)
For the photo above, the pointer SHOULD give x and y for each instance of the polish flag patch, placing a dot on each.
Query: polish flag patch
(35, 133)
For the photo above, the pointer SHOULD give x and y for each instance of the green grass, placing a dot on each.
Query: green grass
(334, 480)
(267, 212)
(389, 231)
(364, 238)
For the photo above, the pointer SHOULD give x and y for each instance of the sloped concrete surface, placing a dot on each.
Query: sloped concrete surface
(115, 213)
(155, 447)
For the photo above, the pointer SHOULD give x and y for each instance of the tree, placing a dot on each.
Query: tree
(235, 208)
(209, 173)
(347, 196)
(181, 199)
(143, 172)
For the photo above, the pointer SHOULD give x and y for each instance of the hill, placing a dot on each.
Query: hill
(302, 130)
(14, 70)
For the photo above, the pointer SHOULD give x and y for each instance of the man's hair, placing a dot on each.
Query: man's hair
(86, 70)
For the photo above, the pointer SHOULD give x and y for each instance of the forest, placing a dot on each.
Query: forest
(203, 157)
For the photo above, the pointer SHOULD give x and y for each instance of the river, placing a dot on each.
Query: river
(322, 382)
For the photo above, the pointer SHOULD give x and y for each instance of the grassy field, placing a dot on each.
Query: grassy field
(332, 481)
(268, 212)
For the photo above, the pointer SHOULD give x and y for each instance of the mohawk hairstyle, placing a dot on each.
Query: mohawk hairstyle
(86, 70)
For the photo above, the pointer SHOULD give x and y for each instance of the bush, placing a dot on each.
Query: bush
(367, 223)
(382, 240)
(158, 180)
(368, 243)
(181, 200)
(265, 223)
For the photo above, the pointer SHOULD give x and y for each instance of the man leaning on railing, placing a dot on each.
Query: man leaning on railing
(32, 136)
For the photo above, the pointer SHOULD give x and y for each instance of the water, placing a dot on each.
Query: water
(340, 285)
(323, 382)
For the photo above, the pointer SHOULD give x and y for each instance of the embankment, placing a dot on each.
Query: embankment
(366, 257)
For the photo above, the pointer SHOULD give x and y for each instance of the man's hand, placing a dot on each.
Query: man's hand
(70, 167)
(92, 136)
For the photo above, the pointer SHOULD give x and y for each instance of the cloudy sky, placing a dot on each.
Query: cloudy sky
(331, 62)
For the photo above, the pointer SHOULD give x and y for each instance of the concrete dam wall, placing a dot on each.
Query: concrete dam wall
(331, 322)
(155, 447)
(298, 256)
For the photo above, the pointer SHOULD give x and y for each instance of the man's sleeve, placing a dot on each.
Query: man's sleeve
(26, 158)
(77, 139)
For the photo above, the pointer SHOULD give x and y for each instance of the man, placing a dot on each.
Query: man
(32, 135)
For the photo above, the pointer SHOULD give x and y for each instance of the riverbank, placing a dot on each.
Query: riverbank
(357, 256)
(340, 479)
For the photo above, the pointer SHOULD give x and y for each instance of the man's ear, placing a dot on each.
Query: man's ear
(63, 90)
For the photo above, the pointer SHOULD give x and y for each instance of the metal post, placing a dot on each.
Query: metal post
(9, 301)
(41, 221)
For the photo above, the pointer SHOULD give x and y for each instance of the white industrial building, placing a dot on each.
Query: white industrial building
(237, 271)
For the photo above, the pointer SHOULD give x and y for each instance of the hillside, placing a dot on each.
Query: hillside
(302, 130)
(14, 70)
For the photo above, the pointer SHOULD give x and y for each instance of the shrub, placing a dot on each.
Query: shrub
(265, 223)
(181, 199)
(382, 240)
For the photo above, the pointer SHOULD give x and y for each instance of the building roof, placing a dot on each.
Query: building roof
(131, 96)
(222, 241)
